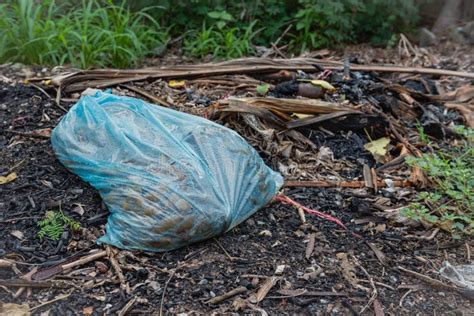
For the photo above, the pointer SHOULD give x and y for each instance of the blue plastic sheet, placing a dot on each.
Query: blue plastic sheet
(168, 178)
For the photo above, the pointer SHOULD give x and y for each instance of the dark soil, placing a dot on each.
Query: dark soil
(273, 237)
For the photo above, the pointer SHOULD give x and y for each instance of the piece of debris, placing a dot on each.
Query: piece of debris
(160, 202)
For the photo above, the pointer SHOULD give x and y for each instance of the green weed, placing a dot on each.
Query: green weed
(93, 33)
(451, 204)
(227, 42)
(120, 33)
(54, 223)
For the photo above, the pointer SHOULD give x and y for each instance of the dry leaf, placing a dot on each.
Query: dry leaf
(348, 270)
(280, 269)
(378, 148)
(87, 310)
(47, 183)
(265, 288)
(310, 246)
(176, 83)
(46, 132)
(78, 209)
(6, 263)
(378, 308)
(302, 116)
(325, 154)
(321, 83)
(8, 178)
(239, 304)
(18, 234)
(12, 309)
(265, 233)
(378, 253)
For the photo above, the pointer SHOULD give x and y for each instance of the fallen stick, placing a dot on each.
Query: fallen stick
(118, 270)
(265, 288)
(57, 269)
(344, 184)
(102, 78)
(466, 292)
(310, 246)
(58, 298)
(148, 95)
(32, 135)
(127, 306)
(433, 282)
(6, 263)
(223, 297)
(26, 283)
(84, 260)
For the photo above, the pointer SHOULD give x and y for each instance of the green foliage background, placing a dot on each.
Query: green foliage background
(120, 33)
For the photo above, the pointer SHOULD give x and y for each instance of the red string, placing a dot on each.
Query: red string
(286, 200)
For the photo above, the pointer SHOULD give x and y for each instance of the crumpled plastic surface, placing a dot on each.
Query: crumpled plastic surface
(168, 178)
(461, 275)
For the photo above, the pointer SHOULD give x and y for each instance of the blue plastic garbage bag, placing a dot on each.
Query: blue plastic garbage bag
(168, 178)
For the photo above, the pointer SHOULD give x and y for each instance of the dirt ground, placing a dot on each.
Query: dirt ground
(309, 268)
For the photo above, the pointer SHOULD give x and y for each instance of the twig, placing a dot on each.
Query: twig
(391, 288)
(27, 277)
(223, 249)
(55, 103)
(16, 166)
(404, 296)
(57, 269)
(431, 236)
(223, 297)
(60, 297)
(433, 282)
(310, 246)
(257, 309)
(10, 220)
(258, 276)
(84, 260)
(288, 28)
(26, 283)
(278, 51)
(374, 288)
(164, 291)
(344, 184)
(147, 95)
(7, 290)
(265, 288)
(118, 270)
(127, 306)
(32, 135)
(468, 252)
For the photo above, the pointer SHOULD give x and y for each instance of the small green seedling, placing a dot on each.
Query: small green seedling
(263, 89)
(54, 223)
(450, 205)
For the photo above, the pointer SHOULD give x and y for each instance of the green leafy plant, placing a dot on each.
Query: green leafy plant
(221, 17)
(378, 21)
(262, 89)
(121, 33)
(54, 223)
(423, 137)
(94, 33)
(451, 204)
(228, 42)
(324, 23)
